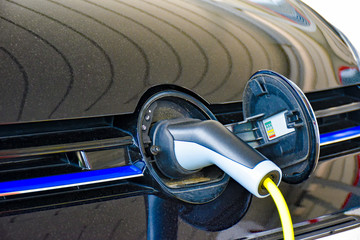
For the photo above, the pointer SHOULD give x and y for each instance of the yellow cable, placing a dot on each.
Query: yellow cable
(288, 230)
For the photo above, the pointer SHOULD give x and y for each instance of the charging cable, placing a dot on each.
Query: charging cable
(286, 223)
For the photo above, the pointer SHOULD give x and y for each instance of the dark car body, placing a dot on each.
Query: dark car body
(75, 74)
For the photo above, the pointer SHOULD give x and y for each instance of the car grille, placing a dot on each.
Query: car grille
(338, 116)
(72, 148)
(38, 166)
(65, 154)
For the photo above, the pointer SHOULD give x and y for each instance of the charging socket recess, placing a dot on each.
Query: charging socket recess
(195, 187)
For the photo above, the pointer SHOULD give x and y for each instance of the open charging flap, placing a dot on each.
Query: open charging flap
(280, 123)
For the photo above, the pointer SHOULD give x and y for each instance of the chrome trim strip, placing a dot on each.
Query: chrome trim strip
(338, 110)
(70, 185)
(69, 147)
(68, 180)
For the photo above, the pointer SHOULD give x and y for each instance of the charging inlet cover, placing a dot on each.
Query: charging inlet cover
(286, 123)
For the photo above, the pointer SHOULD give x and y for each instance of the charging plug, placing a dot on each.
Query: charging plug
(188, 145)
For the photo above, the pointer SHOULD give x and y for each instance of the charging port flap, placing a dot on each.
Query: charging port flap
(284, 124)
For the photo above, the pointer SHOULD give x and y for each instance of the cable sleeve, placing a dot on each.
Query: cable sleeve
(288, 230)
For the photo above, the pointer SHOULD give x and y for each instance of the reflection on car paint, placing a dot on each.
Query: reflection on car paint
(207, 46)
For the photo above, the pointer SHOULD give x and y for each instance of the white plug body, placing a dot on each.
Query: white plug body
(192, 156)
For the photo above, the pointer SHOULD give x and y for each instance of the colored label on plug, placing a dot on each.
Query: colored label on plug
(276, 126)
(270, 130)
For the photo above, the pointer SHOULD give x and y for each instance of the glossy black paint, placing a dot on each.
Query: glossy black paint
(87, 58)
(70, 59)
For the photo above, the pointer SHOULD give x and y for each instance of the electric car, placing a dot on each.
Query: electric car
(101, 99)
